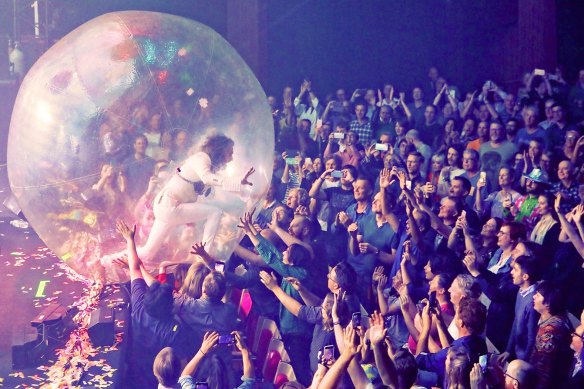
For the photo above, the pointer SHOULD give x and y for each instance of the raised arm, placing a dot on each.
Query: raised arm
(384, 364)
(568, 228)
(209, 342)
(133, 260)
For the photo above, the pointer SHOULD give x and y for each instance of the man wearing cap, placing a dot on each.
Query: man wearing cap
(567, 187)
(525, 208)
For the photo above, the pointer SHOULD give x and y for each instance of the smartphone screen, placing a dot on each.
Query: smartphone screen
(226, 339)
(291, 161)
(483, 361)
(336, 174)
(356, 319)
(318, 122)
(219, 266)
(381, 147)
(328, 353)
(338, 135)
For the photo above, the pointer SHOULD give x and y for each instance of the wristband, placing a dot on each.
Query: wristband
(336, 323)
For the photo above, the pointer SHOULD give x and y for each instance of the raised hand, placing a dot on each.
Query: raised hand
(301, 210)
(578, 212)
(477, 379)
(382, 282)
(209, 341)
(377, 331)
(296, 284)
(239, 342)
(269, 280)
(377, 273)
(426, 319)
(470, 261)
(352, 342)
(557, 202)
(246, 222)
(384, 181)
(199, 249)
(125, 231)
(121, 262)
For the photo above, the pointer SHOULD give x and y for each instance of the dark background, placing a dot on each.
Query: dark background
(359, 44)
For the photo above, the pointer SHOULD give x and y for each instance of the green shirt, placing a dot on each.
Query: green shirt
(289, 324)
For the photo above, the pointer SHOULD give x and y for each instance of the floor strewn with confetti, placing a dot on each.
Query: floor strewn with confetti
(34, 279)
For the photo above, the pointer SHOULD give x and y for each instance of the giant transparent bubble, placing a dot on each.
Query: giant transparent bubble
(71, 149)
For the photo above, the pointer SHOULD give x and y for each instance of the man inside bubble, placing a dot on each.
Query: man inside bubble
(176, 203)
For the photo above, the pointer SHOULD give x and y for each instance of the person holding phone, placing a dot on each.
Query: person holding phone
(211, 370)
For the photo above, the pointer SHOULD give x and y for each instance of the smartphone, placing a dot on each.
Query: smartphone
(381, 147)
(328, 353)
(356, 319)
(409, 184)
(318, 123)
(201, 385)
(226, 339)
(539, 72)
(338, 135)
(432, 300)
(483, 177)
(452, 93)
(308, 161)
(219, 266)
(483, 362)
(336, 174)
(291, 161)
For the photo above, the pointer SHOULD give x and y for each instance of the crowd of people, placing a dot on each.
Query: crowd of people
(431, 239)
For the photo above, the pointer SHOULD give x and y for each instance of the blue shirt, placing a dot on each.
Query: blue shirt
(436, 362)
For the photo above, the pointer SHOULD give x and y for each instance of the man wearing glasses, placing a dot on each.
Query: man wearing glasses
(520, 375)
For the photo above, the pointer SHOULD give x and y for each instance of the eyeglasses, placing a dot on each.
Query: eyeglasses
(578, 335)
(511, 377)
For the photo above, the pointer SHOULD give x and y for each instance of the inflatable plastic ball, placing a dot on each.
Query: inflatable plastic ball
(77, 122)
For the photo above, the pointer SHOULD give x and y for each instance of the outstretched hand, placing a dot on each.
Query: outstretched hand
(245, 181)
(209, 342)
(377, 329)
(199, 249)
(246, 222)
(269, 280)
(125, 231)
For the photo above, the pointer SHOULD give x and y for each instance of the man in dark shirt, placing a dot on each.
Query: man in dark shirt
(153, 326)
(138, 169)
